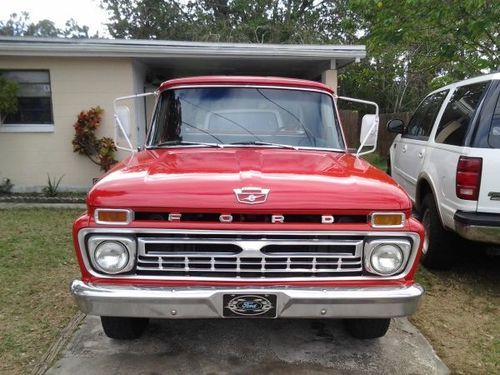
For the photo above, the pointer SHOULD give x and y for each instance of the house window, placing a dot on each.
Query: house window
(34, 107)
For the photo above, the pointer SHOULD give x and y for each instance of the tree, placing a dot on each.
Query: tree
(260, 21)
(21, 25)
(416, 46)
(8, 97)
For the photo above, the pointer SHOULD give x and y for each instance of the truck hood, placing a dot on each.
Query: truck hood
(200, 179)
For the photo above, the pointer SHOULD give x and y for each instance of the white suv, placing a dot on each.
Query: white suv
(448, 160)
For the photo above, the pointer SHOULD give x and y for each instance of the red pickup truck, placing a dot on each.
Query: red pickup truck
(245, 202)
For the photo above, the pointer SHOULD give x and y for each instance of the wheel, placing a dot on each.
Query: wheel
(367, 328)
(123, 328)
(437, 252)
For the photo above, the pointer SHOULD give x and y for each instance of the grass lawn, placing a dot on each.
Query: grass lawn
(376, 160)
(36, 267)
(459, 314)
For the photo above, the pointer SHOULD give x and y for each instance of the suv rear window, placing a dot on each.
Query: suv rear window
(458, 114)
(494, 136)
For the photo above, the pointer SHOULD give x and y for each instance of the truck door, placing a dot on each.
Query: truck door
(410, 150)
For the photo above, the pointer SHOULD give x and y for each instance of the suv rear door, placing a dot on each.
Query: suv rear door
(489, 192)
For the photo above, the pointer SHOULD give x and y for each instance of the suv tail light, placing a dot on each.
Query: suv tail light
(468, 177)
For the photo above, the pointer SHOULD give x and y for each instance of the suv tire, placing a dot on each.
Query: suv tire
(438, 253)
(123, 328)
(367, 328)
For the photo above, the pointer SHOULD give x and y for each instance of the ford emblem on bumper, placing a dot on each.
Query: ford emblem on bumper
(250, 305)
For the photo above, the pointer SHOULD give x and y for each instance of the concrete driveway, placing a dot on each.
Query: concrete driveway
(248, 347)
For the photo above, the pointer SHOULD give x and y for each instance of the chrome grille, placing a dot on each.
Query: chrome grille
(249, 257)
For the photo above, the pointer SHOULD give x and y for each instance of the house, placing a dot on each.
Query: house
(58, 78)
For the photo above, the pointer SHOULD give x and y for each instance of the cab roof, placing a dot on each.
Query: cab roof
(245, 81)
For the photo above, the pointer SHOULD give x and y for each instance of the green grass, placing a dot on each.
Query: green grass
(37, 264)
(459, 313)
(376, 160)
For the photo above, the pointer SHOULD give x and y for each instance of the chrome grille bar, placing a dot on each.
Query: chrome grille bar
(248, 258)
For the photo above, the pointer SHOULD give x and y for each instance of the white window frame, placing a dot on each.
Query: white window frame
(26, 127)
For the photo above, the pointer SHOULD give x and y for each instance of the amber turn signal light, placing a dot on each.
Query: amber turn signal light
(113, 216)
(388, 220)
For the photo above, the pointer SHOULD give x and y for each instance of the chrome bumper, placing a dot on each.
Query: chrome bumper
(478, 227)
(206, 302)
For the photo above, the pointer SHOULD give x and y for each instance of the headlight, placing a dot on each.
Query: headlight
(386, 257)
(112, 255)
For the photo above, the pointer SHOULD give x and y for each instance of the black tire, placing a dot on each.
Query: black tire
(123, 328)
(367, 328)
(438, 252)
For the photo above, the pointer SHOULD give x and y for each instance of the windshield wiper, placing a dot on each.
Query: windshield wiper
(184, 143)
(260, 143)
(312, 138)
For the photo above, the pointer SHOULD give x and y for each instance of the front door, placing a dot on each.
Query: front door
(410, 148)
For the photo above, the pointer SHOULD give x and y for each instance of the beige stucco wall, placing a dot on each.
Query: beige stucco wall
(77, 84)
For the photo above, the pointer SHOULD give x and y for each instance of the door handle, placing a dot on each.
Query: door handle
(404, 148)
(421, 154)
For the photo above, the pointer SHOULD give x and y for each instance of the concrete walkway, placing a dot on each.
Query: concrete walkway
(248, 347)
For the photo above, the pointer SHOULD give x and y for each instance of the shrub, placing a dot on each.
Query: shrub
(52, 188)
(6, 186)
(99, 151)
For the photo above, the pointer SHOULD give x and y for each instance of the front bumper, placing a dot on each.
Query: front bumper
(481, 227)
(206, 302)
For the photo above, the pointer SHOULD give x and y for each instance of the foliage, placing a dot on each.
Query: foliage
(8, 97)
(21, 25)
(52, 188)
(261, 21)
(419, 45)
(6, 186)
(99, 151)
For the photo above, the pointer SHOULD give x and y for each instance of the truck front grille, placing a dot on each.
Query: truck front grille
(249, 257)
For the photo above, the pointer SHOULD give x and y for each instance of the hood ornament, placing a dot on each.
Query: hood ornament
(251, 195)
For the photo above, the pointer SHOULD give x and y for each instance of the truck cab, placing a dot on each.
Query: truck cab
(245, 202)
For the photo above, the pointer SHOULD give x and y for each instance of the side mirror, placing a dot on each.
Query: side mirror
(369, 130)
(395, 126)
(369, 127)
(123, 113)
(123, 123)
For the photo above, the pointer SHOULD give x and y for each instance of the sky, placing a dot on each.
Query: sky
(85, 12)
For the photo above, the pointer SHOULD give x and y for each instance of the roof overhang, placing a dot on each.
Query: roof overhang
(292, 59)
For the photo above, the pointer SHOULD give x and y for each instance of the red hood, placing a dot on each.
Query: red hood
(204, 178)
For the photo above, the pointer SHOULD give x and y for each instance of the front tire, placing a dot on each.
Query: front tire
(123, 328)
(437, 252)
(367, 328)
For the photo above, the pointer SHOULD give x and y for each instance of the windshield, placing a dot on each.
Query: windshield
(244, 115)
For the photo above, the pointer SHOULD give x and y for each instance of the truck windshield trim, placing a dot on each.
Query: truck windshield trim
(246, 116)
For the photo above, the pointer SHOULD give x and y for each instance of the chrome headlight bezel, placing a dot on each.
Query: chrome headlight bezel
(129, 244)
(401, 244)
